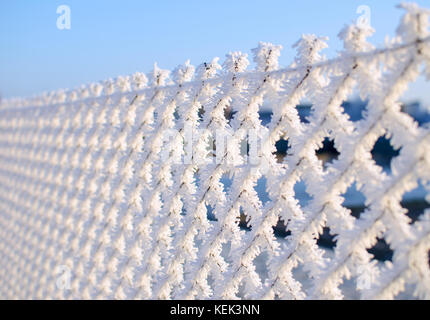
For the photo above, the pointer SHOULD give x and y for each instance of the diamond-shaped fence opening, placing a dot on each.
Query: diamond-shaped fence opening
(227, 181)
(303, 276)
(304, 110)
(210, 213)
(229, 114)
(261, 190)
(326, 239)
(300, 193)
(280, 230)
(243, 221)
(355, 109)
(355, 200)
(381, 251)
(265, 117)
(383, 153)
(201, 113)
(282, 147)
(327, 153)
(414, 201)
(260, 263)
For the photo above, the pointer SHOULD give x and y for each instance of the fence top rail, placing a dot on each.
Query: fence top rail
(51, 99)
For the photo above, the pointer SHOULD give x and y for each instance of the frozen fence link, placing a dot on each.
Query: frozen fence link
(168, 185)
(266, 56)
(414, 23)
(355, 38)
(184, 73)
(236, 62)
(308, 49)
(139, 80)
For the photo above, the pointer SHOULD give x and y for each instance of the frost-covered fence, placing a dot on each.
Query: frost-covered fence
(142, 189)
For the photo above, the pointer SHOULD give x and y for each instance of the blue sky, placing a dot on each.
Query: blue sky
(109, 38)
